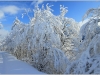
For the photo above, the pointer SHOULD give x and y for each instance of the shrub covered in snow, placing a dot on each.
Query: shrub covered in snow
(89, 49)
(45, 41)
(57, 44)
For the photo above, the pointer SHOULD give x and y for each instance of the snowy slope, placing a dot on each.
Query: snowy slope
(10, 65)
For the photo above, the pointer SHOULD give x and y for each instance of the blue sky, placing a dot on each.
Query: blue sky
(9, 10)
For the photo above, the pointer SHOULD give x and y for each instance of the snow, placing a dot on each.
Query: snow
(98, 23)
(48, 42)
(89, 60)
(10, 65)
(52, 44)
(83, 22)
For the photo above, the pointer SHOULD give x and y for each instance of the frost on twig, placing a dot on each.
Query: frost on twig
(93, 12)
(63, 10)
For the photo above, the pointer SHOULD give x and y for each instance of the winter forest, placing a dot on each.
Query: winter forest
(56, 44)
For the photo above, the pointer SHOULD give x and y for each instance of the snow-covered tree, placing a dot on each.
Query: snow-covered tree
(48, 42)
(88, 61)
(90, 28)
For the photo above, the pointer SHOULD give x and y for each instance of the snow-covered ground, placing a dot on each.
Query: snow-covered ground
(10, 65)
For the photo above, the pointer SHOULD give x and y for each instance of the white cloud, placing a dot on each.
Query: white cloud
(11, 9)
(40, 1)
(37, 2)
(1, 14)
(3, 34)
